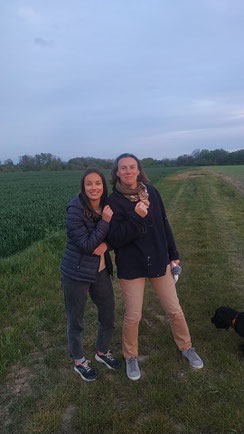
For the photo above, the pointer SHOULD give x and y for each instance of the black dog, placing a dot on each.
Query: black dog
(225, 318)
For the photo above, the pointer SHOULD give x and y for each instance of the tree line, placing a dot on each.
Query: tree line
(47, 161)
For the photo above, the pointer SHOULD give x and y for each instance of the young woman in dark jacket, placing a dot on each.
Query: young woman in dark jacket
(144, 248)
(86, 268)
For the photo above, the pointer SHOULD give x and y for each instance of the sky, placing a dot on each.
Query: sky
(157, 78)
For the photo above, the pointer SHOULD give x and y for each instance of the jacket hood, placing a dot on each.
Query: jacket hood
(75, 202)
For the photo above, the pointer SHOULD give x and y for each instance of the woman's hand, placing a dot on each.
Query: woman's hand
(141, 209)
(107, 213)
(100, 250)
(176, 261)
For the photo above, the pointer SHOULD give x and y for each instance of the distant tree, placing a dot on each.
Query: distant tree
(219, 156)
(8, 162)
(195, 153)
(81, 163)
(236, 157)
(167, 162)
(7, 166)
(184, 160)
(27, 162)
(47, 161)
(38, 161)
(76, 163)
(150, 162)
(56, 164)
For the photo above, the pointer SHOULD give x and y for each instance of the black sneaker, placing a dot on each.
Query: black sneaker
(108, 359)
(85, 371)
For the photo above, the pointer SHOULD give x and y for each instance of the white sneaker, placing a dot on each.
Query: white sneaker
(132, 369)
(193, 358)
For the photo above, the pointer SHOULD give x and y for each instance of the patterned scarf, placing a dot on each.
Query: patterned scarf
(134, 194)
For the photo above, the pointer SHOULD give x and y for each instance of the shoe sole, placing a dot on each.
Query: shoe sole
(197, 367)
(134, 378)
(84, 378)
(102, 361)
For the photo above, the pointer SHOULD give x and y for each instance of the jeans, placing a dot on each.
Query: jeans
(75, 297)
(133, 291)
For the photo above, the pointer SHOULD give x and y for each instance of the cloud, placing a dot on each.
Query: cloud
(196, 134)
(28, 14)
(43, 43)
(238, 115)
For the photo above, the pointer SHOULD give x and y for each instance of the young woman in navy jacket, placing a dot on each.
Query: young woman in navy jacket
(86, 268)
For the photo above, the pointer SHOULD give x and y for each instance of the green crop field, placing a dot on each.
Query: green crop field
(234, 172)
(33, 204)
(39, 390)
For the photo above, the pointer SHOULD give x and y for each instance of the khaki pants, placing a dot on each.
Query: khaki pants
(133, 291)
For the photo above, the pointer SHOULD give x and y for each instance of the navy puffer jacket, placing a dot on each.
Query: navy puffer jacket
(84, 235)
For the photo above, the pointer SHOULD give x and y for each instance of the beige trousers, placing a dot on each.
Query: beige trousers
(133, 291)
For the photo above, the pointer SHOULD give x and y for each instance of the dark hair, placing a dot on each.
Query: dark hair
(88, 210)
(141, 177)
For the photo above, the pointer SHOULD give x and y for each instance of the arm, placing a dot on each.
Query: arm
(124, 228)
(173, 253)
(79, 234)
(103, 247)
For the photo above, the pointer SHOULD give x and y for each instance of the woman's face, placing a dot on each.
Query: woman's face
(93, 186)
(128, 172)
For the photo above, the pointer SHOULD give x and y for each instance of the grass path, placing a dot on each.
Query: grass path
(231, 174)
(41, 394)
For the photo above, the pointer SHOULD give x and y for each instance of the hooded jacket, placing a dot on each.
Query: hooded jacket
(143, 246)
(83, 236)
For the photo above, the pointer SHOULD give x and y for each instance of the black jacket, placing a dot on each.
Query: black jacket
(84, 235)
(143, 246)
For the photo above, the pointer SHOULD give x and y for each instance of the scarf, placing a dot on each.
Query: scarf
(137, 194)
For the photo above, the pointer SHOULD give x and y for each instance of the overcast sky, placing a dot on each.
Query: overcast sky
(158, 78)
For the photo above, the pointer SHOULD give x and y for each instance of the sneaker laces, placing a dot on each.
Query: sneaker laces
(109, 355)
(85, 365)
(192, 353)
(133, 363)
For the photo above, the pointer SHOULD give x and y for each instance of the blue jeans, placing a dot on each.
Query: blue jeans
(75, 297)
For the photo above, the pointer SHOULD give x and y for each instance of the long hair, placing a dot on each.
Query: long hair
(88, 210)
(141, 177)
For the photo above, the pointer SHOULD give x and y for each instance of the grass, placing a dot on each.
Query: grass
(236, 173)
(40, 393)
